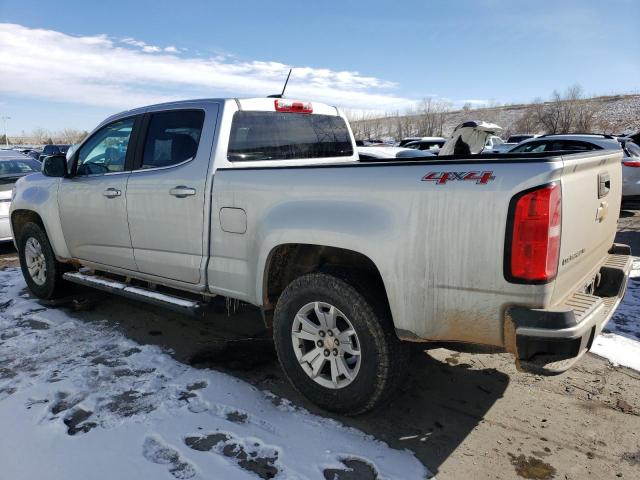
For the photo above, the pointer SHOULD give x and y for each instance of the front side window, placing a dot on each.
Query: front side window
(172, 138)
(106, 150)
(531, 147)
(285, 136)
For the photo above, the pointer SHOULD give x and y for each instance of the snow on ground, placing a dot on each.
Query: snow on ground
(80, 400)
(620, 340)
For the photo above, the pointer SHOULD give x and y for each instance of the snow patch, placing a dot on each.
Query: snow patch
(620, 340)
(93, 404)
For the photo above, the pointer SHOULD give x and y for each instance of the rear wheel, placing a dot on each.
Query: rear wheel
(41, 270)
(338, 348)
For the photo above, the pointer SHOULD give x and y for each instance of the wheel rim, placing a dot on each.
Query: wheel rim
(326, 345)
(36, 263)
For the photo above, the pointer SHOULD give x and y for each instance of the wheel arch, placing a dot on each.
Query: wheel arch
(20, 217)
(286, 262)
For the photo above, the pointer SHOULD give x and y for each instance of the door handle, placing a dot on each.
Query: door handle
(112, 193)
(181, 191)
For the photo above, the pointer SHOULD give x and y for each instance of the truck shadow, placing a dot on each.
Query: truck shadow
(442, 401)
(7, 248)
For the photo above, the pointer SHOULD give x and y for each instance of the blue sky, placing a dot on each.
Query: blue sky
(71, 63)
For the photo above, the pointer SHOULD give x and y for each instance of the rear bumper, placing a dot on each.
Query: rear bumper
(550, 341)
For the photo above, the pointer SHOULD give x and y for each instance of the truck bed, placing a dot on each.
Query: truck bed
(439, 244)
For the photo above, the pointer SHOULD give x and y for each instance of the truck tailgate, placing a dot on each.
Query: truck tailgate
(591, 196)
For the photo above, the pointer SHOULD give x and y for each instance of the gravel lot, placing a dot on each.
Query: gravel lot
(464, 415)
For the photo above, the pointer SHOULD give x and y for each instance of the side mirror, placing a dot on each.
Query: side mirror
(55, 166)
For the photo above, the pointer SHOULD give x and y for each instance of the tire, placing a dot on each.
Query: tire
(47, 285)
(382, 356)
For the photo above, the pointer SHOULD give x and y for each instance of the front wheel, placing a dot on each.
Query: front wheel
(338, 348)
(41, 270)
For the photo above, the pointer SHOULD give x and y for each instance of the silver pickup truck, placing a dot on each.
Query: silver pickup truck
(265, 201)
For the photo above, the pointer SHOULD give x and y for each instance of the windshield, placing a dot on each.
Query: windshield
(18, 167)
(281, 136)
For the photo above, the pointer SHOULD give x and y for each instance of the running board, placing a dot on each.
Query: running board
(177, 304)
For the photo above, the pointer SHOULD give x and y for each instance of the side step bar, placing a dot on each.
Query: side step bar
(177, 304)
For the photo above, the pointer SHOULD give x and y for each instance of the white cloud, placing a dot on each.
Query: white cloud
(124, 73)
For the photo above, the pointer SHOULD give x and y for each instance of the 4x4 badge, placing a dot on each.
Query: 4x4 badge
(481, 178)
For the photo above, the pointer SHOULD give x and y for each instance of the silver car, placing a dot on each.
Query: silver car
(13, 165)
(590, 142)
(631, 169)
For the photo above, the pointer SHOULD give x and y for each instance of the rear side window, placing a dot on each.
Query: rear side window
(575, 145)
(285, 136)
(172, 138)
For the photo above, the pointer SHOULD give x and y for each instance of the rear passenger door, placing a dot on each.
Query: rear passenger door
(166, 192)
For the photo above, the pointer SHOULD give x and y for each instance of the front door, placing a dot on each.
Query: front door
(93, 202)
(166, 193)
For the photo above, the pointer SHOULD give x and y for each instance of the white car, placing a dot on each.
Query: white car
(494, 144)
(407, 140)
(432, 144)
(586, 142)
(369, 154)
(470, 138)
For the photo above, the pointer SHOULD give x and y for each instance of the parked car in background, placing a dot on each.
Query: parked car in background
(590, 142)
(53, 150)
(567, 142)
(495, 144)
(521, 137)
(406, 140)
(512, 141)
(630, 169)
(35, 154)
(470, 138)
(373, 153)
(428, 143)
(13, 166)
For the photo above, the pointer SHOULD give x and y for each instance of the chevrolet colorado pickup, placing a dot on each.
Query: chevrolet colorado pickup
(265, 201)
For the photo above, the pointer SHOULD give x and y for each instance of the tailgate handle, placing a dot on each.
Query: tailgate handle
(604, 184)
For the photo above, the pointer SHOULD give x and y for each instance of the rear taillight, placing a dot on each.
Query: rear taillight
(632, 163)
(533, 243)
(284, 105)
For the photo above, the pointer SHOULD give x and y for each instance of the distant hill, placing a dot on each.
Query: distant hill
(616, 114)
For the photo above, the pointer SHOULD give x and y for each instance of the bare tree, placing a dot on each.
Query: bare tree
(566, 114)
(39, 135)
(431, 117)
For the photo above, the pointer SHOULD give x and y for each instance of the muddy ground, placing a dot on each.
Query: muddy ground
(465, 415)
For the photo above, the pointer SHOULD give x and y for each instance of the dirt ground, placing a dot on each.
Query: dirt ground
(465, 415)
